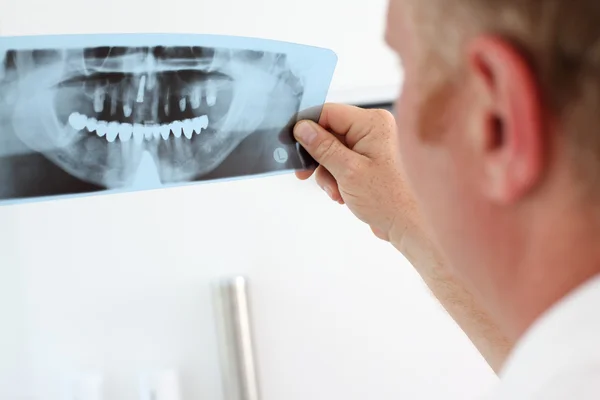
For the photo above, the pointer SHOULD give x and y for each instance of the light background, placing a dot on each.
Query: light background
(121, 283)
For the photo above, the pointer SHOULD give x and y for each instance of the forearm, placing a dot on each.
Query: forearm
(458, 302)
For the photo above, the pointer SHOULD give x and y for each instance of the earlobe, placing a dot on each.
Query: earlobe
(513, 137)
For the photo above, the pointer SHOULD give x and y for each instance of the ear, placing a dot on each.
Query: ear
(509, 118)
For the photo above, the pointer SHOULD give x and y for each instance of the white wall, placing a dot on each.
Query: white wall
(120, 284)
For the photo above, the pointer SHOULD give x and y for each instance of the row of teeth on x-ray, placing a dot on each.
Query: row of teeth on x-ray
(195, 98)
(138, 132)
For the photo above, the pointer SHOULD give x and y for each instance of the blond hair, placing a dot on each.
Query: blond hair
(559, 38)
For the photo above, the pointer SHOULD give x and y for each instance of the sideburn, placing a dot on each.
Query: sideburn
(441, 86)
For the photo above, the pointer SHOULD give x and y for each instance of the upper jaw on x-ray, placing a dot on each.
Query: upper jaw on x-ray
(95, 111)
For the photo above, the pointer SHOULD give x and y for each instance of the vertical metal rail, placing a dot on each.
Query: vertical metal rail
(237, 343)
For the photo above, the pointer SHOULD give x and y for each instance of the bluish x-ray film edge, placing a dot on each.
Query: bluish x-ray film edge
(324, 60)
(154, 39)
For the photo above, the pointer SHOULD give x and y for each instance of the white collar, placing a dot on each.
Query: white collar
(566, 335)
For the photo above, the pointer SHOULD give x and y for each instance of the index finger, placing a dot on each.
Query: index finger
(350, 122)
(339, 117)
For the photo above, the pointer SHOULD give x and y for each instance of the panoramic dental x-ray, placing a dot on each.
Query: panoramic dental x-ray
(82, 114)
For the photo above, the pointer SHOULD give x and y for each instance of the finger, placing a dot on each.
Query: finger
(304, 174)
(380, 234)
(354, 123)
(326, 149)
(328, 183)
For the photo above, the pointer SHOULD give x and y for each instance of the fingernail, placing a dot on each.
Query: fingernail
(329, 192)
(305, 132)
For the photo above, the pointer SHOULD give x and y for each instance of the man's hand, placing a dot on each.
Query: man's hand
(359, 165)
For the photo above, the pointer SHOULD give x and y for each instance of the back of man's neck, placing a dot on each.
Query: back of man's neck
(560, 263)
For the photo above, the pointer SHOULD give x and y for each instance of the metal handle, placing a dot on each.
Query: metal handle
(240, 374)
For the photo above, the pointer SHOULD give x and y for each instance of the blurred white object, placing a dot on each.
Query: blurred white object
(87, 387)
(163, 385)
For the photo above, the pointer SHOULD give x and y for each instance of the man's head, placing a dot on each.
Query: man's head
(497, 122)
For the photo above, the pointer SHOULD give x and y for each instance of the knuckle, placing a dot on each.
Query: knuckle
(385, 117)
(352, 173)
(381, 124)
(384, 114)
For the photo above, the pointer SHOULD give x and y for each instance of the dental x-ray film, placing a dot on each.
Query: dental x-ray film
(90, 114)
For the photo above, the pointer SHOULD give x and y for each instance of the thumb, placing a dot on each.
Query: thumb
(324, 147)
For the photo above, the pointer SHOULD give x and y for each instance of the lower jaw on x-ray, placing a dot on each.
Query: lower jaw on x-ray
(92, 119)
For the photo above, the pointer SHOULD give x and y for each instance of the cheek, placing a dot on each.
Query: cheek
(442, 176)
(430, 169)
(413, 151)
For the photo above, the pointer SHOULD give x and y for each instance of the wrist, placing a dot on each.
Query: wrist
(415, 244)
(404, 234)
